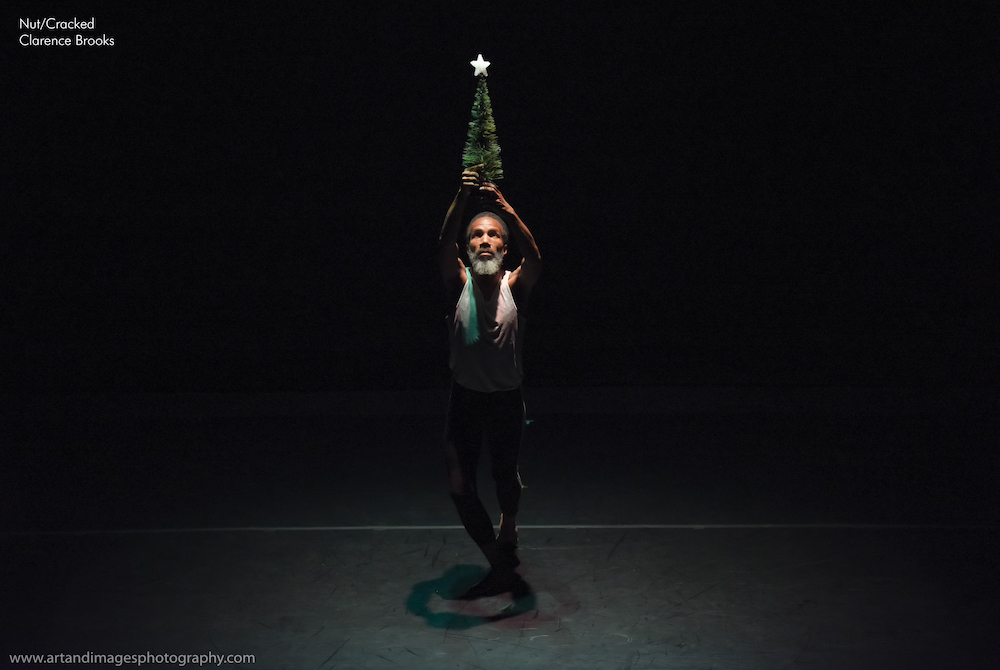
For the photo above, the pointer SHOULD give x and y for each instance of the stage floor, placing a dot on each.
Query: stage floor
(674, 537)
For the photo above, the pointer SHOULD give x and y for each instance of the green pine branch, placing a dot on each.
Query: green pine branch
(481, 145)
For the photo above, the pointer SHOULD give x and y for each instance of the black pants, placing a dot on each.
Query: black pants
(499, 418)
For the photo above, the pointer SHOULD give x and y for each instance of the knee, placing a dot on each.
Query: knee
(506, 474)
(460, 486)
(465, 500)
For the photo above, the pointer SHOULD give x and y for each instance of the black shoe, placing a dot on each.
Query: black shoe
(495, 583)
(507, 556)
(509, 541)
(502, 556)
(519, 588)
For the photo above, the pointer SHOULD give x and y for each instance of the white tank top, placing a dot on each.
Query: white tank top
(486, 338)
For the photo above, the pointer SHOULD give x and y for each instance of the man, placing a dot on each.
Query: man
(487, 331)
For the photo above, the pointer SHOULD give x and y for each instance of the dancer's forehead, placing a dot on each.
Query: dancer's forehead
(487, 222)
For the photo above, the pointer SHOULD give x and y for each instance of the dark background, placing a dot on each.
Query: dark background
(246, 197)
(220, 309)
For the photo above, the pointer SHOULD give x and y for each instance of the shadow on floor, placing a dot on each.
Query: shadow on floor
(454, 582)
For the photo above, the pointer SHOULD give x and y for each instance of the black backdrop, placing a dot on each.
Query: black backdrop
(246, 196)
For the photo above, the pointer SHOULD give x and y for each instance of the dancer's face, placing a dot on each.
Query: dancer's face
(486, 247)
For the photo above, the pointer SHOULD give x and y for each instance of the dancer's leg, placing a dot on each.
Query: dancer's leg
(463, 443)
(504, 430)
(496, 415)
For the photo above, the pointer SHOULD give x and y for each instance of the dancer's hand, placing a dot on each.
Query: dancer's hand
(470, 180)
(489, 191)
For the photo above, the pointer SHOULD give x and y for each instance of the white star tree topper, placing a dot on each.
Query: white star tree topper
(480, 66)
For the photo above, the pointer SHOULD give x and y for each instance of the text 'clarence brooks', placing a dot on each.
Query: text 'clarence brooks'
(54, 24)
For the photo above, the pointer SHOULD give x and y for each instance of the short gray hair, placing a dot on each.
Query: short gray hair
(504, 232)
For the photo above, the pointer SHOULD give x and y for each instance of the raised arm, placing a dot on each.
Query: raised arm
(449, 251)
(527, 273)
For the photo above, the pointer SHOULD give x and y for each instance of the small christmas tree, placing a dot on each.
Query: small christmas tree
(481, 145)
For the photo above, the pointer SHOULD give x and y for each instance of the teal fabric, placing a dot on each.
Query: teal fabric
(472, 332)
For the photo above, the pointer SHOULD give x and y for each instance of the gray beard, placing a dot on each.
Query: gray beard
(481, 267)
